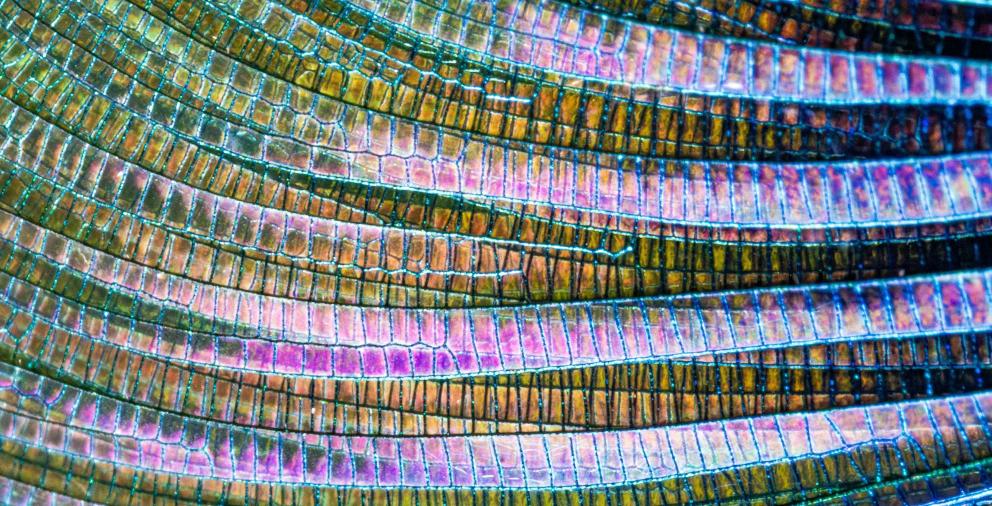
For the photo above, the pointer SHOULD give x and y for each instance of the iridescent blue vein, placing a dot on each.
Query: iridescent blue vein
(14, 492)
(498, 252)
(297, 338)
(66, 420)
(689, 62)
(760, 197)
(884, 26)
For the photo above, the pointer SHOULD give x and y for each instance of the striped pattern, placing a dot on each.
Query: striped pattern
(344, 252)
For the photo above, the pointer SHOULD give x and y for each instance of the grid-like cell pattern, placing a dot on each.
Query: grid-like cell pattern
(514, 252)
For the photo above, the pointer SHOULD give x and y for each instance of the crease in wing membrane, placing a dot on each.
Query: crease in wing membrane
(499, 252)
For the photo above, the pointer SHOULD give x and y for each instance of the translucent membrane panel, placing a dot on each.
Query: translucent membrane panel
(495, 252)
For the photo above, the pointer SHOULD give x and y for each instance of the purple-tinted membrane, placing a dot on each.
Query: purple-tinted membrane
(499, 461)
(532, 29)
(671, 59)
(698, 193)
(660, 193)
(16, 493)
(362, 341)
(225, 221)
(235, 232)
